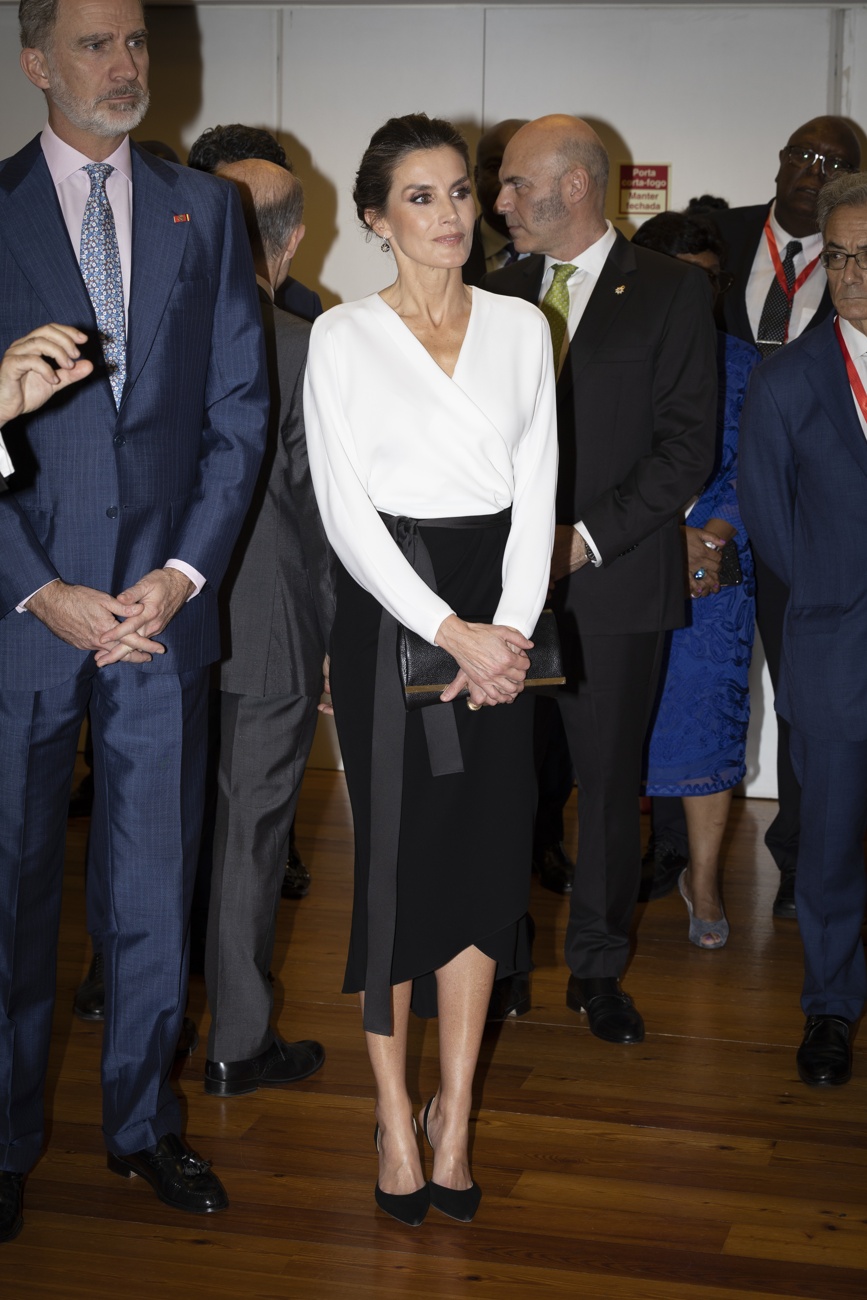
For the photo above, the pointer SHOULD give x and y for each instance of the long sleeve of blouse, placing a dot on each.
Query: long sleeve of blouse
(389, 431)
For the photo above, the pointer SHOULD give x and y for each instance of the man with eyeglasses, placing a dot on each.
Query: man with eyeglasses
(803, 495)
(780, 292)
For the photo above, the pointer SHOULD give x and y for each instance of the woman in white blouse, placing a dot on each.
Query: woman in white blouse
(432, 442)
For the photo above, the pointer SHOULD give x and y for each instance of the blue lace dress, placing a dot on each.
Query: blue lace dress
(698, 736)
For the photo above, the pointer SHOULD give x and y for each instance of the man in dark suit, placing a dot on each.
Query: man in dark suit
(133, 481)
(221, 145)
(634, 343)
(492, 247)
(491, 250)
(816, 152)
(277, 604)
(802, 484)
(213, 149)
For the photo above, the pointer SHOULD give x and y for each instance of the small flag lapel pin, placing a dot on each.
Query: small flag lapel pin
(180, 216)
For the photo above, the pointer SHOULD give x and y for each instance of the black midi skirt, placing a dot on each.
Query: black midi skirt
(465, 839)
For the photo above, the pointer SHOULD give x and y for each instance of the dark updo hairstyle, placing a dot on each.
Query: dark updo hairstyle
(387, 149)
(707, 203)
(673, 233)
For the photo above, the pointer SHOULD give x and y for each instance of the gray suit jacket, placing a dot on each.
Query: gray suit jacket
(277, 599)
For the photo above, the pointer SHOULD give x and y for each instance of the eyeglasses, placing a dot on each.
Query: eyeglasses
(803, 158)
(722, 281)
(836, 261)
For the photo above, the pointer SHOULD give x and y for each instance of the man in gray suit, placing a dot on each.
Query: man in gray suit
(277, 605)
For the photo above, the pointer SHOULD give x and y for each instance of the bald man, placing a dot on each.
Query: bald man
(492, 247)
(816, 152)
(634, 345)
(276, 607)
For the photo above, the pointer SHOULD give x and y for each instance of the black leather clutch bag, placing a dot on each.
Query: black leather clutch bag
(426, 670)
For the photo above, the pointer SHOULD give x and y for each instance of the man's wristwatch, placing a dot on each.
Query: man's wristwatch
(588, 551)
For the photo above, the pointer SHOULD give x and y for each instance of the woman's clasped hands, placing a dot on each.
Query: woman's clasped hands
(492, 660)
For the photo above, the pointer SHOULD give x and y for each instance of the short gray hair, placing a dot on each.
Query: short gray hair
(272, 199)
(36, 20)
(589, 154)
(279, 218)
(846, 191)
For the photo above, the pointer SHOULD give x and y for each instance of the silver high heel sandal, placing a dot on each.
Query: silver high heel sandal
(704, 934)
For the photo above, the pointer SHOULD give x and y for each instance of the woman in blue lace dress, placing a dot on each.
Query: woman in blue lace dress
(697, 744)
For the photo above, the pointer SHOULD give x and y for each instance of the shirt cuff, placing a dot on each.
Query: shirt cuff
(193, 574)
(22, 608)
(597, 561)
(6, 466)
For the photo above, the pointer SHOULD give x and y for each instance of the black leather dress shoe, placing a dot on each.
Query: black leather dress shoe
(660, 869)
(279, 1064)
(510, 996)
(81, 799)
(554, 869)
(825, 1054)
(296, 880)
(179, 1177)
(11, 1204)
(89, 1000)
(784, 903)
(611, 1013)
(188, 1038)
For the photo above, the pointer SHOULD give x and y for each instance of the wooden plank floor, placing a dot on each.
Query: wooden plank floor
(693, 1166)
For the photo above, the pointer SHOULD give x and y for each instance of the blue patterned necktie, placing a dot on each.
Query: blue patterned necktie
(100, 268)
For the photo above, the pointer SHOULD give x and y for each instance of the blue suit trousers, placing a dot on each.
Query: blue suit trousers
(149, 732)
(830, 885)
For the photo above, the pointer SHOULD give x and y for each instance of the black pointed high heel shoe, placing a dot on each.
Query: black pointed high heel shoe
(457, 1205)
(409, 1209)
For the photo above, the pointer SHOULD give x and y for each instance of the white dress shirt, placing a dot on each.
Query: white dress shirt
(806, 301)
(388, 430)
(72, 186)
(580, 285)
(6, 466)
(856, 342)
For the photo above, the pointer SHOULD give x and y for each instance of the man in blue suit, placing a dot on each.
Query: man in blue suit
(803, 492)
(129, 490)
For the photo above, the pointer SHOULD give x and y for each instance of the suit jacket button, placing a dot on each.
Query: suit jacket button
(119, 440)
(112, 512)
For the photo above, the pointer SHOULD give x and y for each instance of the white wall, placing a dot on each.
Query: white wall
(713, 89)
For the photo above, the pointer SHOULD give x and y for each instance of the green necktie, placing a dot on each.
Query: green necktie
(555, 305)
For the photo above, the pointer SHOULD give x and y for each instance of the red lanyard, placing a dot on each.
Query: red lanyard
(851, 370)
(780, 273)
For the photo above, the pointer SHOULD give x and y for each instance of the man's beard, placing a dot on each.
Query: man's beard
(549, 208)
(96, 116)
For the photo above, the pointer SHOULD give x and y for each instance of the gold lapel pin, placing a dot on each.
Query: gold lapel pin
(621, 288)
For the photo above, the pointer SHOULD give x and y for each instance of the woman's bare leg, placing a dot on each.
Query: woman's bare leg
(400, 1169)
(463, 993)
(706, 818)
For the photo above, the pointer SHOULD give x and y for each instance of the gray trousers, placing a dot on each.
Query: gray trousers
(264, 746)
